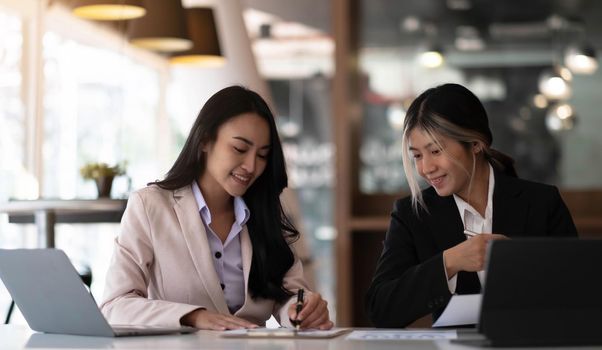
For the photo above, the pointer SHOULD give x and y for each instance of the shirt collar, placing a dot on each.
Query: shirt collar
(464, 206)
(241, 211)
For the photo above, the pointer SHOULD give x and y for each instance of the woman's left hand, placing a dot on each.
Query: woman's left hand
(314, 313)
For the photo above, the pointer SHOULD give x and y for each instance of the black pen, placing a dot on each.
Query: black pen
(470, 233)
(298, 307)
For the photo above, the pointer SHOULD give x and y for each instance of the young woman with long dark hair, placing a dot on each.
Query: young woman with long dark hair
(209, 246)
(436, 242)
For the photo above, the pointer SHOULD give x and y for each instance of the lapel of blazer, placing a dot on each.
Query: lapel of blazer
(444, 220)
(448, 230)
(247, 256)
(509, 211)
(194, 233)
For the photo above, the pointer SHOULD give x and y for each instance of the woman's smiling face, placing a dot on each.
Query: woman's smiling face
(446, 165)
(238, 156)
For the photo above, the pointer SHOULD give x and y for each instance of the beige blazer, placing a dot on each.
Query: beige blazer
(162, 266)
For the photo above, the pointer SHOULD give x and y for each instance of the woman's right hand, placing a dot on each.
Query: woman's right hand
(468, 255)
(205, 319)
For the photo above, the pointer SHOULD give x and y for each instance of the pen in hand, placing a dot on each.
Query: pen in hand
(298, 307)
(470, 233)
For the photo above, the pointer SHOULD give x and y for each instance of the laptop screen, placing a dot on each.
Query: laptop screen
(53, 298)
(543, 291)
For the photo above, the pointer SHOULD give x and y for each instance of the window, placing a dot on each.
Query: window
(99, 106)
(12, 116)
(101, 102)
(15, 180)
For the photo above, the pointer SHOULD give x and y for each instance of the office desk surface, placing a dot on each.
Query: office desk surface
(20, 337)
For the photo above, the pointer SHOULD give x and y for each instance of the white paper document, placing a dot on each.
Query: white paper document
(283, 333)
(403, 335)
(461, 310)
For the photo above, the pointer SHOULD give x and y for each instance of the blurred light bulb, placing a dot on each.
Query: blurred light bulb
(560, 117)
(581, 60)
(540, 101)
(564, 111)
(554, 84)
(431, 58)
(410, 24)
(565, 73)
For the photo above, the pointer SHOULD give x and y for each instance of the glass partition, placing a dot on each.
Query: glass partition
(302, 107)
(505, 57)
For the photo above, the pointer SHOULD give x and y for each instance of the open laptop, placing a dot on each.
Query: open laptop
(541, 292)
(53, 299)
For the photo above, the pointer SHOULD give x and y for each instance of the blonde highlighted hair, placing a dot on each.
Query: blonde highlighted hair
(452, 111)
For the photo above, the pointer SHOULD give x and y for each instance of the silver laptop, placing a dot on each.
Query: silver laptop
(53, 299)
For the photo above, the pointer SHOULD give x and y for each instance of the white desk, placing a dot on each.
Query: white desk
(45, 213)
(20, 337)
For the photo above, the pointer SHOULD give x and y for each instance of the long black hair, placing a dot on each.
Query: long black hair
(453, 111)
(270, 230)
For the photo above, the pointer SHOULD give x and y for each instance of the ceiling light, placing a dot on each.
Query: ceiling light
(202, 29)
(410, 24)
(560, 117)
(564, 73)
(557, 22)
(431, 58)
(108, 10)
(540, 101)
(459, 4)
(581, 60)
(554, 84)
(162, 29)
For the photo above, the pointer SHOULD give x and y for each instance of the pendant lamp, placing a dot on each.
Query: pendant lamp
(431, 57)
(108, 10)
(561, 117)
(202, 29)
(581, 59)
(163, 28)
(555, 83)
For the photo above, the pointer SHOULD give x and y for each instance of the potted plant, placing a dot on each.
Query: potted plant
(103, 175)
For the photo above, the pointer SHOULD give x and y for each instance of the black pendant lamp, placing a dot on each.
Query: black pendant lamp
(163, 28)
(202, 29)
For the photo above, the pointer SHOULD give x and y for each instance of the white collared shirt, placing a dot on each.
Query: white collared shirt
(473, 221)
(227, 257)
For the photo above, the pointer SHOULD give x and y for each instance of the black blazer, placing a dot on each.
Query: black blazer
(410, 281)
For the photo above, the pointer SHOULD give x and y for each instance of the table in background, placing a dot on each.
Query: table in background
(45, 213)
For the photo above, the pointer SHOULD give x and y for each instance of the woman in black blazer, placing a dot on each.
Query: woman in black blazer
(437, 238)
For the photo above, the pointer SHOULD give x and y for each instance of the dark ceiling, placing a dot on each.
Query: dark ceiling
(500, 23)
(515, 24)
